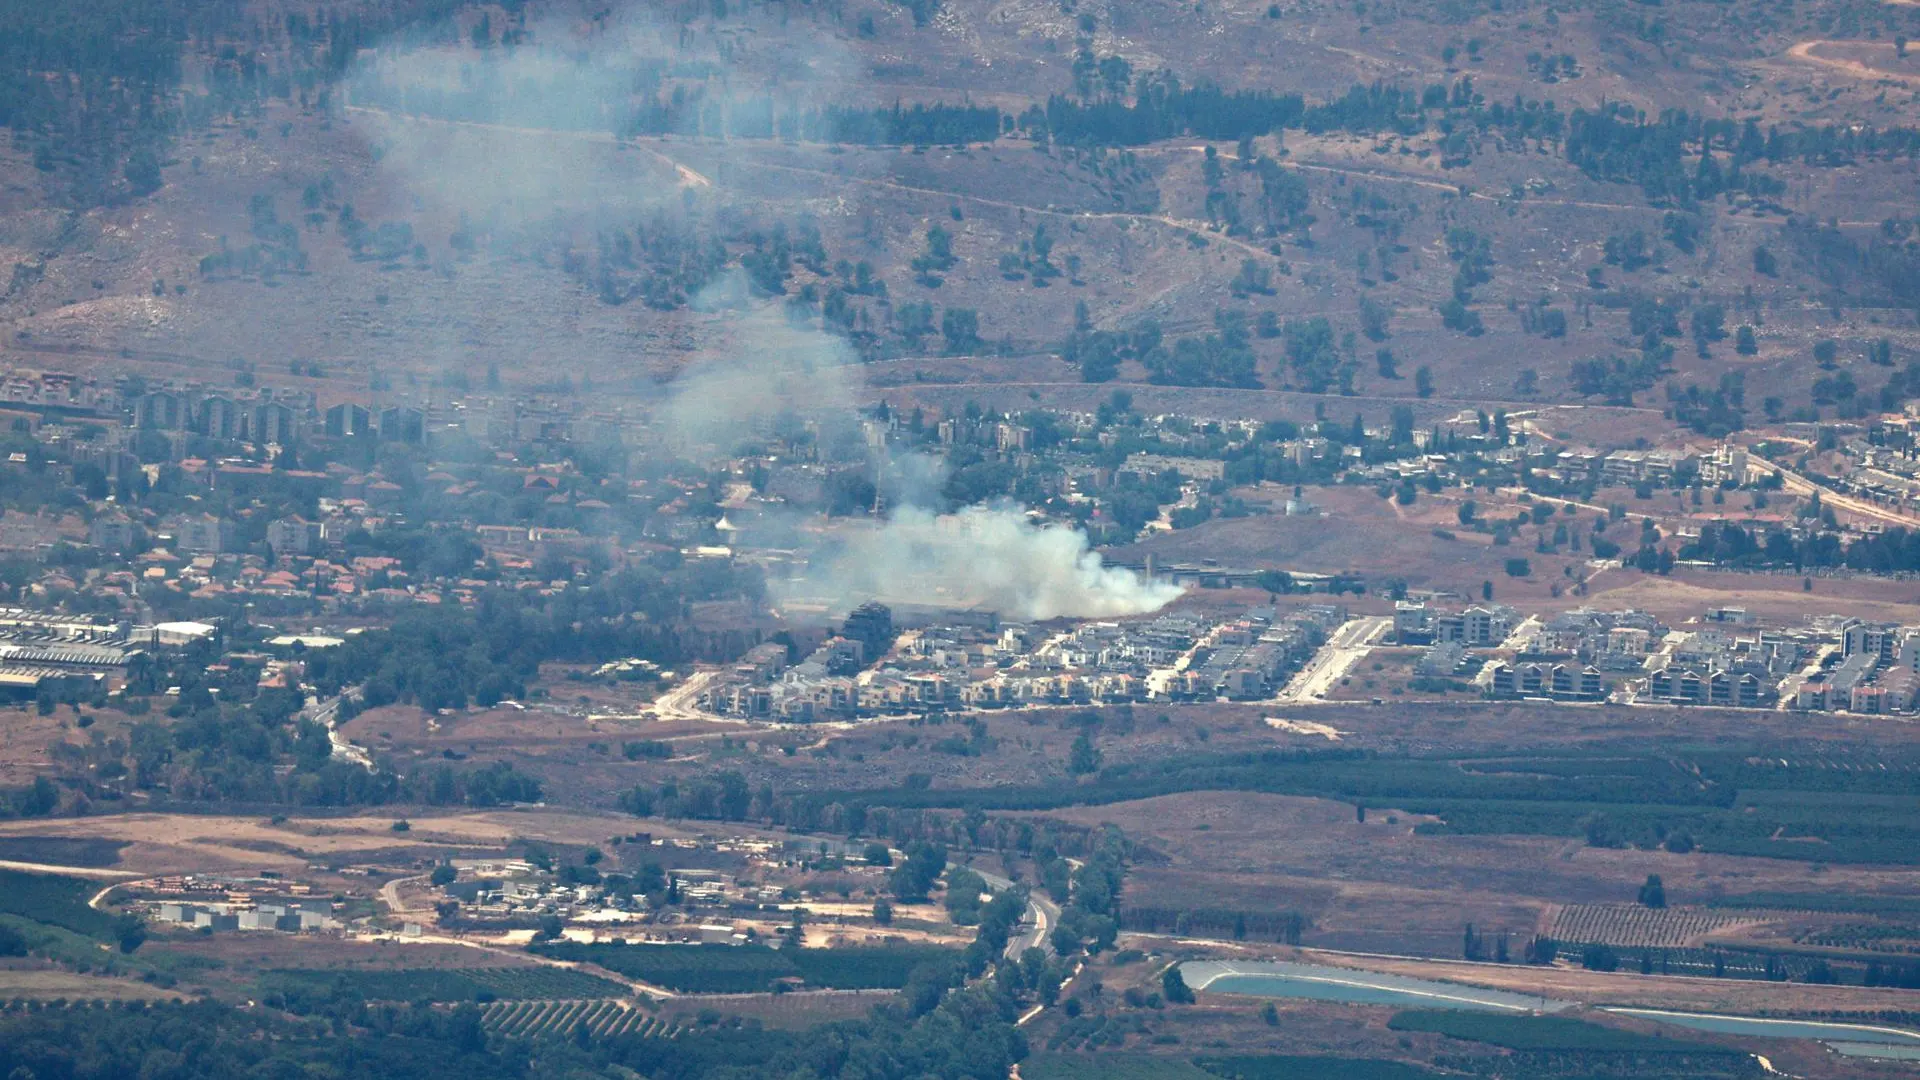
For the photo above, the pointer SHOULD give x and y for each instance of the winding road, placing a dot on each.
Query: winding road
(1042, 916)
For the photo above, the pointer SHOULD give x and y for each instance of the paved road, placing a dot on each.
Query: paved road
(390, 894)
(1795, 484)
(1042, 916)
(328, 712)
(1334, 659)
(683, 701)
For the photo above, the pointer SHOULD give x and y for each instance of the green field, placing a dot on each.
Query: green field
(442, 984)
(1243, 1067)
(560, 1019)
(1843, 902)
(54, 900)
(1291, 1067)
(1111, 1067)
(1774, 798)
(1557, 1034)
(88, 851)
(747, 969)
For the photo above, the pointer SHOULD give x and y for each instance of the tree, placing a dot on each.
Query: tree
(877, 854)
(1084, 758)
(550, 928)
(913, 880)
(1653, 894)
(1455, 315)
(1383, 360)
(143, 171)
(1374, 318)
(1486, 590)
(1466, 512)
(130, 931)
(883, 912)
(1744, 341)
(1519, 568)
(1423, 381)
(1275, 582)
(961, 329)
(1270, 1014)
(1764, 262)
(1174, 988)
(443, 875)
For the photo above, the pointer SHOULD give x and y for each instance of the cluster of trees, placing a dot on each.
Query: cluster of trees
(1222, 358)
(1099, 353)
(90, 88)
(1091, 916)
(1896, 550)
(449, 657)
(1883, 267)
(1715, 412)
(930, 1029)
(1164, 109)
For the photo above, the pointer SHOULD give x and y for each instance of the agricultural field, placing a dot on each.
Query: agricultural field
(778, 1012)
(1298, 1067)
(1633, 925)
(1548, 1033)
(484, 984)
(1902, 938)
(53, 900)
(748, 969)
(1111, 1067)
(1125, 1066)
(559, 1019)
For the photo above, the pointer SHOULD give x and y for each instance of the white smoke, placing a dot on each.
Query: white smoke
(525, 135)
(760, 365)
(989, 556)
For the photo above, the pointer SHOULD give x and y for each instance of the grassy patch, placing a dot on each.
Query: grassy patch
(1293, 1067)
(1111, 1067)
(1235, 1067)
(1544, 1033)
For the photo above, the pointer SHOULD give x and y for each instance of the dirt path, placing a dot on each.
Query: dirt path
(1804, 52)
(92, 873)
(1402, 178)
(695, 179)
(878, 389)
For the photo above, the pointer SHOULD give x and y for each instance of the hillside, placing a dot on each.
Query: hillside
(1512, 207)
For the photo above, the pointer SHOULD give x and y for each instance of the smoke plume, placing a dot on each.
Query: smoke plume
(988, 556)
(525, 135)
